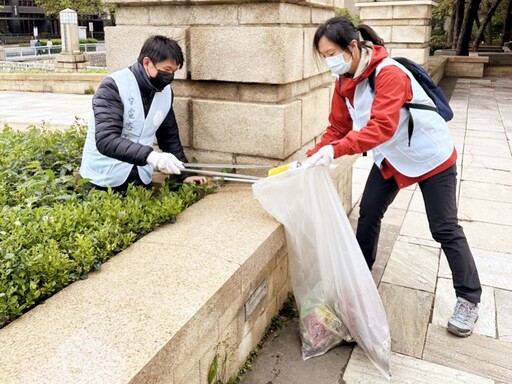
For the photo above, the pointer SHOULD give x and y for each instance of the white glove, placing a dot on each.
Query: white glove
(165, 162)
(323, 157)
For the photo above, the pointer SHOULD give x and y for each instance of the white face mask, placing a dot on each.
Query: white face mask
(337, 64)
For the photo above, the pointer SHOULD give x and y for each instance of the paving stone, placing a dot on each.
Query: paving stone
(416, 225)
(420, 241)
(481, 161)
(492, 125)
(486, 147)
(405, 370)
(407, 327)
(494, 268)
(412, 266)
(485, 134)
(489, 176)
(488, 236)
(445, 302)
(280, 361)
(357, 192)
(456, 126)
(360, 175)
(387, 239)
(394, 216)
(417, 204)
(402, 200)
(485, 211)
(504, 314)
(491, 112)
(476, 354)
(458, 142)
(476, 190)
(364, 162)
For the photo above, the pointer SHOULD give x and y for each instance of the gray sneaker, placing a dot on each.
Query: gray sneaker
(464, 318)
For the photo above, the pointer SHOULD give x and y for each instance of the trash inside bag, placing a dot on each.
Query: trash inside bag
(320, 328)
(334, 290)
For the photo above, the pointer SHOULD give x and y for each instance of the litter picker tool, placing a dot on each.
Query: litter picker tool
(227, 166)
(227, 176)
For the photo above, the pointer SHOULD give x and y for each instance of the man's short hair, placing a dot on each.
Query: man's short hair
(160, 48)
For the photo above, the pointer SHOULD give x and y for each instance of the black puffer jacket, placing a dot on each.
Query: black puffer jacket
(108, 114)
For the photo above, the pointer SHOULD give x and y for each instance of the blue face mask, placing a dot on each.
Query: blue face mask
(337, 64)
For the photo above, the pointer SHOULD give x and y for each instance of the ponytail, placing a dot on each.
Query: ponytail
(368, 34)
(341, 31)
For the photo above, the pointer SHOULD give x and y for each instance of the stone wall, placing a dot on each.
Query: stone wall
(74, 83)
(96, 59)
(405, 25)
(251, 89)
(465, 66)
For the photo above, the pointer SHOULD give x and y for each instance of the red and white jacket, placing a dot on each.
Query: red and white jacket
(383, 123)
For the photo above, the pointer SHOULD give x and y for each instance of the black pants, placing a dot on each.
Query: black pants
(133, 179)
(440, 204)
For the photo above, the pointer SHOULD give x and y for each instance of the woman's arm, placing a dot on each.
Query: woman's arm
(392, 91)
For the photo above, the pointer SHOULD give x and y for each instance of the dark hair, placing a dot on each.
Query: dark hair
(341, 31)
(160, 48)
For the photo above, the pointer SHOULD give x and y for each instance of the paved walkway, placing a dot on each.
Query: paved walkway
(20, 109)
(413, 277)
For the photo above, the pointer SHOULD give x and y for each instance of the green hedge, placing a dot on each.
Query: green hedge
(59, 41)
(53, 231)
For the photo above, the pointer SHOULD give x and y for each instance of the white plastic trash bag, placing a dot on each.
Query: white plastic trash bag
(330, 278)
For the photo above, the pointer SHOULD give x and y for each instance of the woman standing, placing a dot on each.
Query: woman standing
(426, 157)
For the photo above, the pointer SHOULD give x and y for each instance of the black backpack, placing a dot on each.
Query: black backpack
(433, 91)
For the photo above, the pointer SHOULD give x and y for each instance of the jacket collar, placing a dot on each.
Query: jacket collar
(145, 86)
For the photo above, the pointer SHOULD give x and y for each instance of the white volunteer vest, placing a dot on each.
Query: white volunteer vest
(107, 171)
(431, 142)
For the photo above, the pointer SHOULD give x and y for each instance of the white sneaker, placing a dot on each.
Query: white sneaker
(464, 318)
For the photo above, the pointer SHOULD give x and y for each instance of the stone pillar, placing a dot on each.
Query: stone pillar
(251, 90)
(70, 59)
(405, 25)
(2, 54)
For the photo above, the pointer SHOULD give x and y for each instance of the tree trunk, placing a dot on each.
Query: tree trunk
(487, 19)
(488, 39)
(506, 35)
(467, 24)
(451, 27)
(459, 16)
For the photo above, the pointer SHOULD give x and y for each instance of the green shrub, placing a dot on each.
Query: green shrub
(344, 12)
(88, 41)
(89, 90)
(54, 231)
(438, 41)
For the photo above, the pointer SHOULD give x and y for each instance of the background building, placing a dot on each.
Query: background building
(19, 18)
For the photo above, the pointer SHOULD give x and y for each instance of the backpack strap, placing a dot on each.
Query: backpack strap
(410, 128)
(421, 106)
(371, 80)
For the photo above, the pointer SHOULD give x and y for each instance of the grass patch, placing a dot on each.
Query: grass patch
(93, 70)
